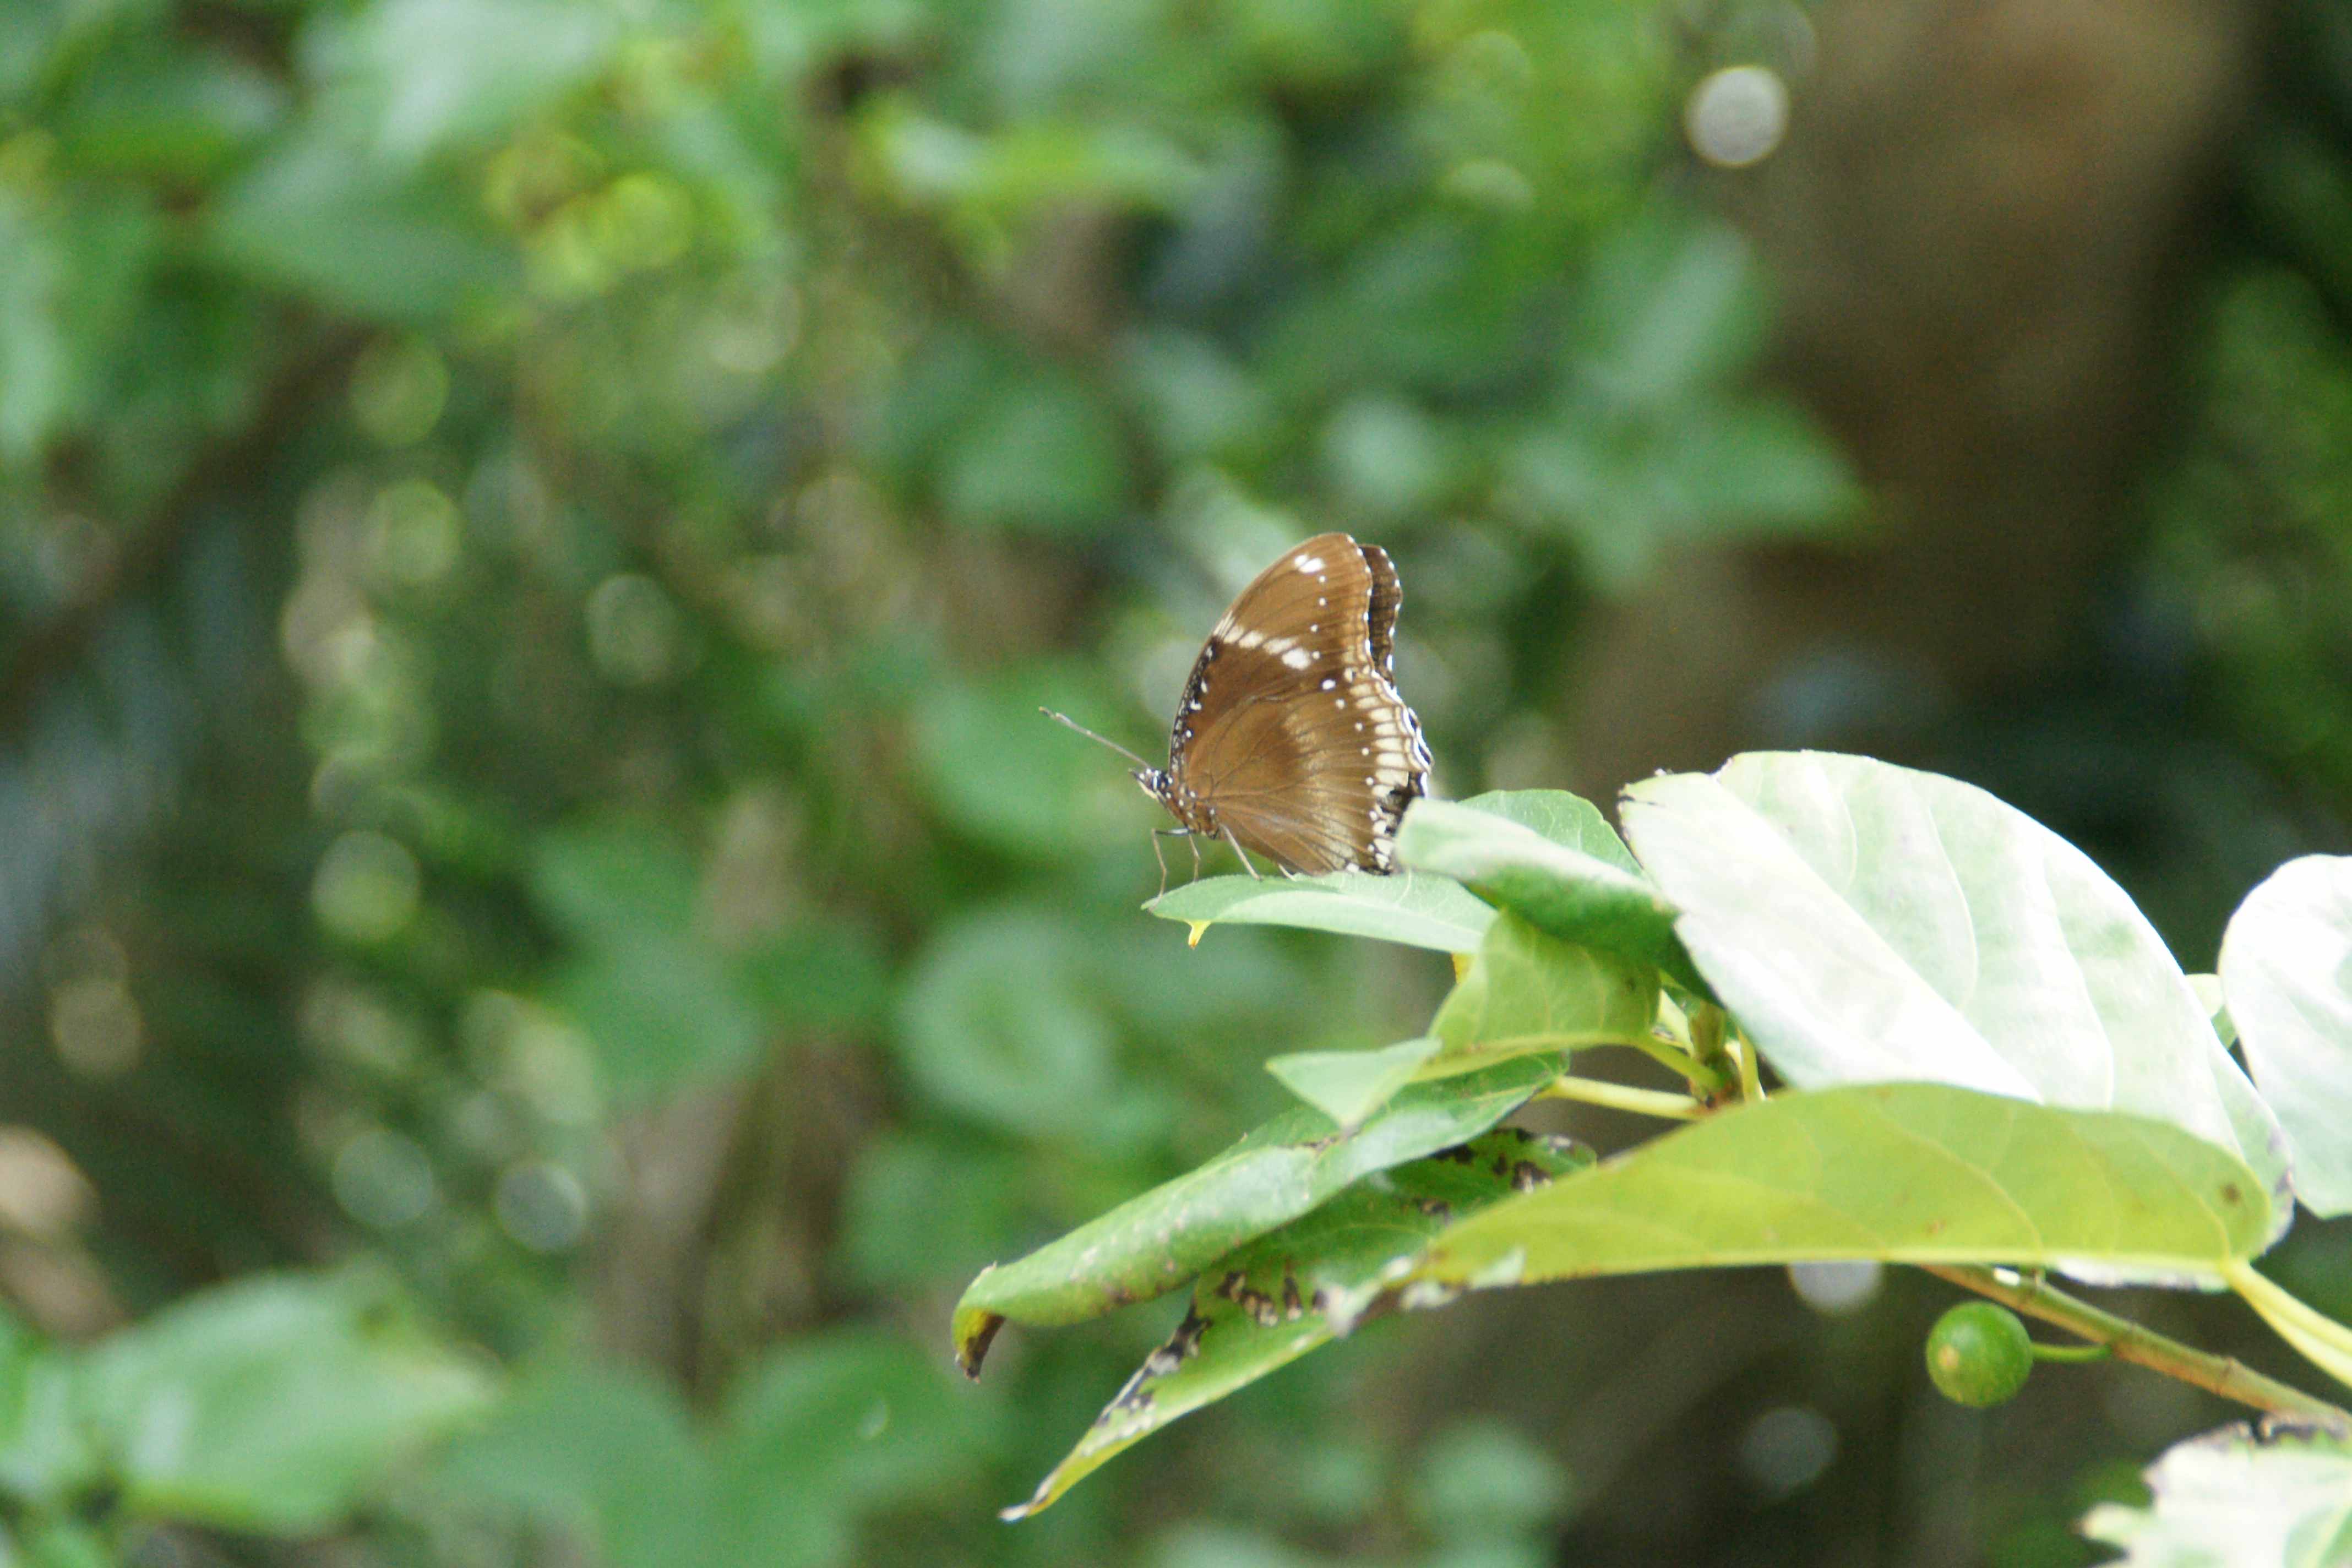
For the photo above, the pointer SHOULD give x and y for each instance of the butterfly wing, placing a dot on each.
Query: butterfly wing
(1291, 734)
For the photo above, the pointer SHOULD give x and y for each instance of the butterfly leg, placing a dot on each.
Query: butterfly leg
(1247, 865)
(1160, 832)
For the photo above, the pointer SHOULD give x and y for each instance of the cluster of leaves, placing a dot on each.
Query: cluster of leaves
(1989, 1055)
(568, 504)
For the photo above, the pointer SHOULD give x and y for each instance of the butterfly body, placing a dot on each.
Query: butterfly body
(1290, 739)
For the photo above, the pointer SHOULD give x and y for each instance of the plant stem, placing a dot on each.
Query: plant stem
(2133, 1342)
(1703, 1080)
(2071, 1352)
(1751, 1081)
(1623, 1096)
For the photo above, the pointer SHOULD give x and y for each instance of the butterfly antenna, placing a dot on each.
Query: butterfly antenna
(1065, 720)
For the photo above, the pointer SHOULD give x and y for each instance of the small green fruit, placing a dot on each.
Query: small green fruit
(1978, 1355)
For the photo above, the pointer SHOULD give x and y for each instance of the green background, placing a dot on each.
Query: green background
(540, 927)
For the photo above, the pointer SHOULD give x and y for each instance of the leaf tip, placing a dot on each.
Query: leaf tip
(975, 1329)
(1192, 938)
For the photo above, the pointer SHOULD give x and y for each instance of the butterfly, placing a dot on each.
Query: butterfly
(1291, 740)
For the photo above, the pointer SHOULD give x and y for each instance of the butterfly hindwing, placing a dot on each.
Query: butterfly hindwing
(1291, 736)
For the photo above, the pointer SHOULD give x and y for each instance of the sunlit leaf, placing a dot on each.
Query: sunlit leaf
(1867, 922)
(1266, 1305)
(1154, 1243)
(1907, 1173)
(1348, 1086)
(2286, 967)
(1570, 892)
(1526, 990)
(1411, 908)
(2283, 1500)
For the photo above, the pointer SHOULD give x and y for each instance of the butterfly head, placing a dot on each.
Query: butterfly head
(1153, 781)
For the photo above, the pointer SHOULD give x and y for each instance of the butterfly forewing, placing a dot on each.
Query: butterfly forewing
(1290, 736)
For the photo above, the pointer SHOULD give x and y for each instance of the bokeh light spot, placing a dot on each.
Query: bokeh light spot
(1736, 116)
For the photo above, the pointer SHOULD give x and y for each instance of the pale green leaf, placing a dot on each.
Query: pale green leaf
(1153, 1243)
(1908, 1173)
(1526, 990)
(1871, 923)
(274, 1404)
(1569, 892)
(1270, 1302)
(2286, 969)
(2283, 1500)
(1348, 1086)
(1566, 819)
(1412, 908)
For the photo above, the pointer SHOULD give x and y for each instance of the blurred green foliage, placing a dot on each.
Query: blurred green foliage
(532, 533)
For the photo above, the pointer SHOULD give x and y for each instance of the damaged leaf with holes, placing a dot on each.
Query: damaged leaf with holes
(1153, 1244)
(1302, 1286)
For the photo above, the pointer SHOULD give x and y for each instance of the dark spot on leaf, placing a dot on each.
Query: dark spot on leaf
(1437, 1209)
(2230, 1194)
(1461, 1154)
(1526, 1176)
(974, 1350)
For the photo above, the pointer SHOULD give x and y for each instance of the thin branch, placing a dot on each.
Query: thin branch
(2224, 1375)
(1623, 1097)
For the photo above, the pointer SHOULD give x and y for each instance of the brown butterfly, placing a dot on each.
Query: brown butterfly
(1290, 739)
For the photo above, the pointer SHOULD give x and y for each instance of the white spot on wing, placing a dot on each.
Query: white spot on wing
(1306, 562)
(1298, 658)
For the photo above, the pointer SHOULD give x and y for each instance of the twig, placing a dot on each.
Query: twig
(1623, 1096)
(2134, 1343)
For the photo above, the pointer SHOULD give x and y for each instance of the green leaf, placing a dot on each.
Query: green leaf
(1412, 908)
(1526, 990)
(317, 217)
(1871, 923)
(1908, 1173)
(844, 1421)
(1348, 1086)
(2283, 1498)
(45, 1453)
(1266, 1305)
(2286, 969)
(605, 1451)
(1565, 891)
(1566, 819)
(273, 1405)
(421, 75)
(1151, 1244)
(998, 1022)
(662, 1012)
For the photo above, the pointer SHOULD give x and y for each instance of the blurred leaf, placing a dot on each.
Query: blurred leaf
(70, 277)
(420, 75)
(1041, 452)
(275, 1403)
(662, 1011)
(852, 1420)
(2286, 964)
(1527, 991)
(1482, 1478)
(1001, 772)
(175, 114)
(1151, 1244)
(46, 1453)
(1562, 891)
(615, 881)
(318, 217)
(1911, 1172)
(997, 1022)
(1266, 1304)
(1869, 922)
(924, 1207)
(818, 977)
(2232, 1496)
(1348, 1086)
(605, 1451)
(1418, 910)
